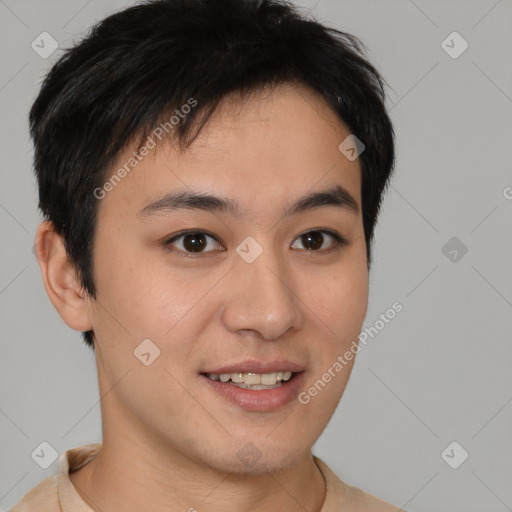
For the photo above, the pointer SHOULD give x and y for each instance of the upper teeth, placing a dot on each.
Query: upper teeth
(250, 379)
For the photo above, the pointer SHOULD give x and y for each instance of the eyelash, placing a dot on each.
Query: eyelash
(339, 241)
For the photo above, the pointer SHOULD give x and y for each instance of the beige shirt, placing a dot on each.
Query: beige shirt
(57, 493)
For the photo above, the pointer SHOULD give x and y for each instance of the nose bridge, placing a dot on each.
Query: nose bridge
(262, 299)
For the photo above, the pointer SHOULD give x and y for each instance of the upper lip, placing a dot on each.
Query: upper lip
(252, 366)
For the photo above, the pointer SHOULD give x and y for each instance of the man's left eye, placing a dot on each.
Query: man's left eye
(313, 240)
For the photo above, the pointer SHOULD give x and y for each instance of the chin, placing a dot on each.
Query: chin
(258, 458)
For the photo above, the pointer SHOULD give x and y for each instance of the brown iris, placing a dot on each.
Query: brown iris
(194, 242)
(313, 238)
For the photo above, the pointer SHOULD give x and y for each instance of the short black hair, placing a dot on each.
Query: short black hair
(136, 66)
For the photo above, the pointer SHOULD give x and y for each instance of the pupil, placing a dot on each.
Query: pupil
(314, 238)
(194, 242)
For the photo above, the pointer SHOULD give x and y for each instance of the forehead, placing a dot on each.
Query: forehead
(278, 144)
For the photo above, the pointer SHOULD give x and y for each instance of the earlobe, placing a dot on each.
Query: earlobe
(60, 279)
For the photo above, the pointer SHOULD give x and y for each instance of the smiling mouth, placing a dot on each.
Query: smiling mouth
(254, 381)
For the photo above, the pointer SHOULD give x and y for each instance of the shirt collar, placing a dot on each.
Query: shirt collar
(69, 461)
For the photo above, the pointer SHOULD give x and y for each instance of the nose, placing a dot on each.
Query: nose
(261, 298)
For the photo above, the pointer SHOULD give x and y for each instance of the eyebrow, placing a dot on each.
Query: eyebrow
(336, 196)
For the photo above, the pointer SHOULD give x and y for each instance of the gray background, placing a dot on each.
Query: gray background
(438, 372)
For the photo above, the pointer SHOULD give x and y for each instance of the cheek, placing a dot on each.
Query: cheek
(340, 300)
(339, 308)
(351, 303)
(139, 298)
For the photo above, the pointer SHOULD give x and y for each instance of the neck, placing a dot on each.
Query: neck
(128, 476)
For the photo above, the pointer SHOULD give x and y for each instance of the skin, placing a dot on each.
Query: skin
(169, 441)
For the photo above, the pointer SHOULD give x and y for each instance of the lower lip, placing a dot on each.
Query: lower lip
(261, 400)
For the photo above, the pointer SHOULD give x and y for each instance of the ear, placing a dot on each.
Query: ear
(60, 279)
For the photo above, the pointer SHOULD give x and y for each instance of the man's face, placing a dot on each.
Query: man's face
(254, 292)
